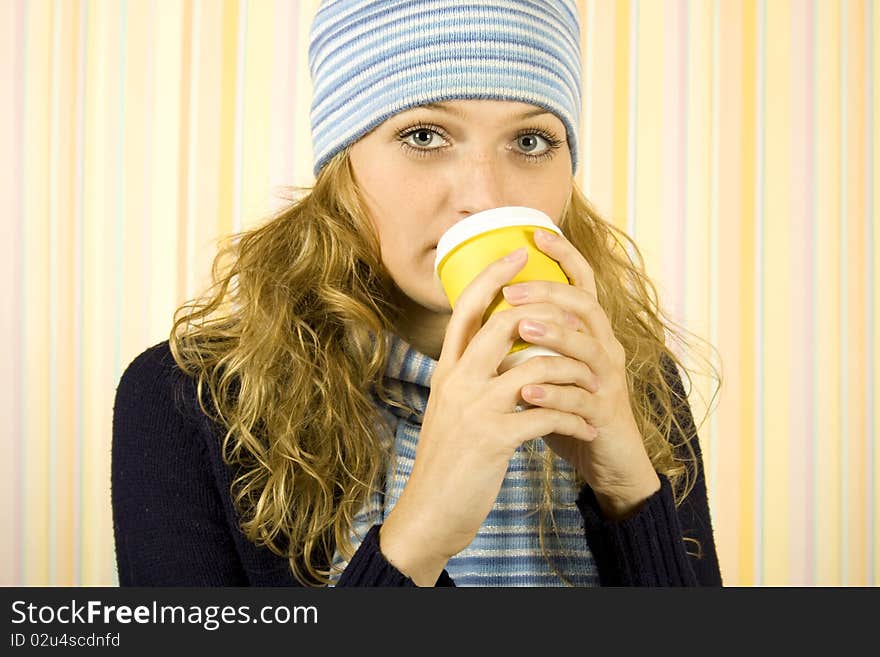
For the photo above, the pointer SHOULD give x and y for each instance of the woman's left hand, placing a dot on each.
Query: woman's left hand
(615, 463)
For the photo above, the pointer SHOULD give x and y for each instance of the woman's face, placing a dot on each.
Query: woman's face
(425, 169)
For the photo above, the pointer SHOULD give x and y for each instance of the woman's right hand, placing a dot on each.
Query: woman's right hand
(471, 430)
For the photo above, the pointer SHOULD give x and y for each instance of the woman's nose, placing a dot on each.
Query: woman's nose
(480, 185)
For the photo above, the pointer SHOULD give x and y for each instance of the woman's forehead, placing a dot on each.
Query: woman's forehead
(503, 111)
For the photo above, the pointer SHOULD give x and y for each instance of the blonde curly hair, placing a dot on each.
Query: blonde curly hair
(284, 349)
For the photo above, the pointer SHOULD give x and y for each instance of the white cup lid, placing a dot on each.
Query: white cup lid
(487, 220)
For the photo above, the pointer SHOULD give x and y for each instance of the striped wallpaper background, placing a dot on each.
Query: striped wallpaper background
(736, 140)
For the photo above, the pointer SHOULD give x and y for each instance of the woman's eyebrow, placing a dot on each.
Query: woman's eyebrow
(455, 111)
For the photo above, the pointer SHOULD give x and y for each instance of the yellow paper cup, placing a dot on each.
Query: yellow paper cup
(473, 243)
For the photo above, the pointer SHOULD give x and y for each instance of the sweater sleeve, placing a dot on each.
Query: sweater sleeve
(650, 547)
(369, 567)
(168, 519)
(172, 520)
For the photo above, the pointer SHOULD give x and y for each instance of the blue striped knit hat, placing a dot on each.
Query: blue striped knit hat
(370, 60)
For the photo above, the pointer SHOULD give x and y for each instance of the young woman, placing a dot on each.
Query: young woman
(321, 416)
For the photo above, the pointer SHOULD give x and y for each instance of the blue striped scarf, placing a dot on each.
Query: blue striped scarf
(506, 550)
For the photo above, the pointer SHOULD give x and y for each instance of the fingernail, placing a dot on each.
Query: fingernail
(516, 292)
(535, 392)
(545, 235)
(515, 256)
(533, 328)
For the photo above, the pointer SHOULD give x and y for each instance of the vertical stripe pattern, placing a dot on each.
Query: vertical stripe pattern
(737, 141)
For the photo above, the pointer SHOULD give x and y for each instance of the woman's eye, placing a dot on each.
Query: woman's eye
(424, 138)
(532, 144)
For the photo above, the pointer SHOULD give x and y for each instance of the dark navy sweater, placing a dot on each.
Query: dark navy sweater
(174, 523)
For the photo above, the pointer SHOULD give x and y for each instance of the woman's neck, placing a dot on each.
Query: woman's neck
(423, 328)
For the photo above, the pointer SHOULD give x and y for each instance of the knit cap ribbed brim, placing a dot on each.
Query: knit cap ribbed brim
(371, 60)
